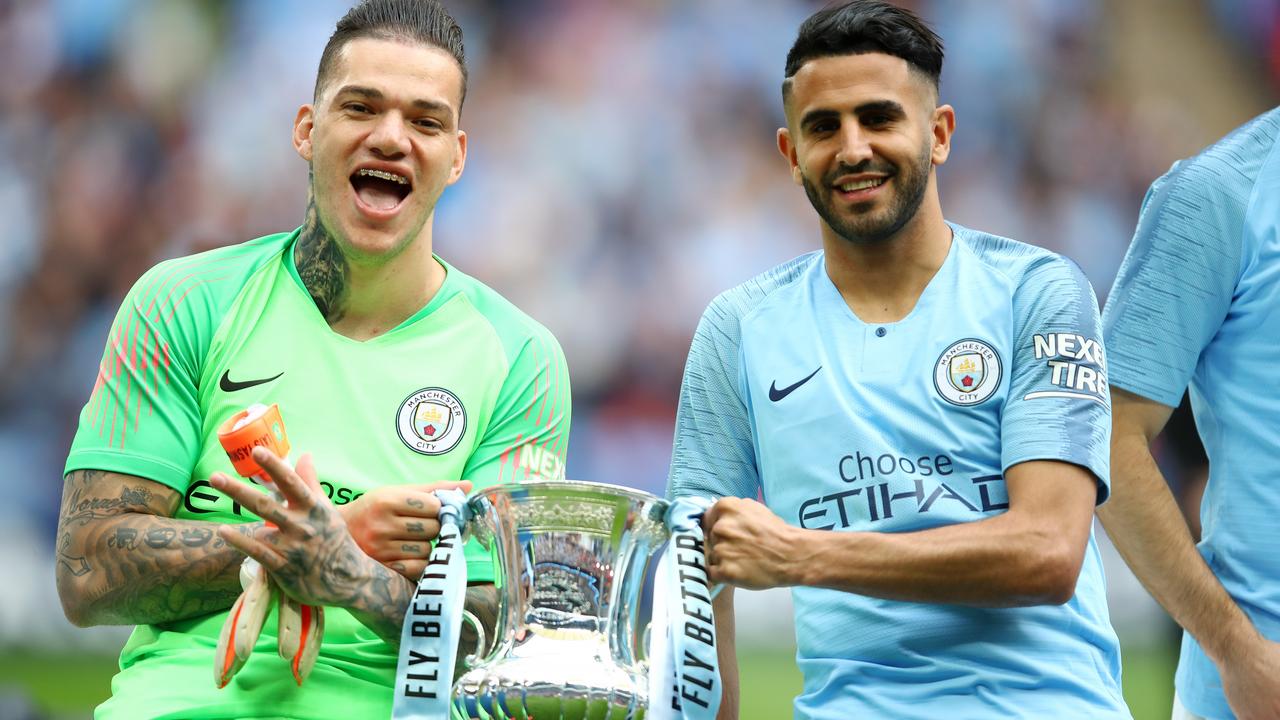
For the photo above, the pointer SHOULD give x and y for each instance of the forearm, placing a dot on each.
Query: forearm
(1144, 523)
(123, 559)
(135, 568)
(997, 562)
(381, 604)
(381, 601)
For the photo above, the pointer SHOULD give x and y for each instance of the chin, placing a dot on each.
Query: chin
(361, 240)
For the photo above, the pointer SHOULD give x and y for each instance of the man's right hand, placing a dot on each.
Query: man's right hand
(1251, 681)
(395, 525)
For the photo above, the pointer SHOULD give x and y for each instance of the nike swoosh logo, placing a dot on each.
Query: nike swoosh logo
(775, 394)
(229, 385)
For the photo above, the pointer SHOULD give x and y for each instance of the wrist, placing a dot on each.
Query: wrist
(1236, 640)
(804, 549)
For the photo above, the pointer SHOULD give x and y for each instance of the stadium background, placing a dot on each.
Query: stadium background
(622, 171)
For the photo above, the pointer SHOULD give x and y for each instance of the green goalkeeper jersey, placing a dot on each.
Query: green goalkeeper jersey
(467, 388)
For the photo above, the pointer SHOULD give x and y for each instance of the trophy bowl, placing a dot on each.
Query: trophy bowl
(570, 560)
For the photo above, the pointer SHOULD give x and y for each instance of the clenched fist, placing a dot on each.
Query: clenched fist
(750, 547)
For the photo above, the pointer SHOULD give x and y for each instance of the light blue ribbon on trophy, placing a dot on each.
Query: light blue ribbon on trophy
(429, 637)
(684, 676)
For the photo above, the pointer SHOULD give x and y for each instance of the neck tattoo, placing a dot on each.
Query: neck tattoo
(321, 266)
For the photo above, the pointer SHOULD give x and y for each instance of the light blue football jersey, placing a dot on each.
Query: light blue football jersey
(1197, 301)
(845, 426)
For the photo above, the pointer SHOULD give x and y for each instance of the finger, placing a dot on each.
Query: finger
(417, 503)
(306, 469)
(292, 487)
(387, 550)
(711, 515)
(251, 546)
(402, 550)
(395, 548)
(411, 569)
(253, 499)
(416, 529)
(714, 575)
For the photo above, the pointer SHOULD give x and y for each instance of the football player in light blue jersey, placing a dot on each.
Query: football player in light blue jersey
(924, 410)
(1197, 302)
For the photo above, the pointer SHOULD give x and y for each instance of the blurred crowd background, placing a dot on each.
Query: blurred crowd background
(622, 171)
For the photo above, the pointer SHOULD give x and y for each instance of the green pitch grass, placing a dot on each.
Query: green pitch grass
(68, 686)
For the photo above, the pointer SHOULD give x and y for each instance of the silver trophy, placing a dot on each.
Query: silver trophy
(570, 559)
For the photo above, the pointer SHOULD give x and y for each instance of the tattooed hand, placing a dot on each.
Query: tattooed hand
(310, 553)
(395, 525)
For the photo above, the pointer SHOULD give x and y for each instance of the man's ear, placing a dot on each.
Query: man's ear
(788, 149)
(303, 124)
(459, 159)
(944, 126)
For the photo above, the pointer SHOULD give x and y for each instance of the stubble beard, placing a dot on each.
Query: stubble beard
(873, 228)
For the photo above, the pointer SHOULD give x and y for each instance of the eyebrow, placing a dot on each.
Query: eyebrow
(888, 107)
(374, 94)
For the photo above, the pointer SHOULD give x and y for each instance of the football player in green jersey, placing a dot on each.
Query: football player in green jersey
(394, 372)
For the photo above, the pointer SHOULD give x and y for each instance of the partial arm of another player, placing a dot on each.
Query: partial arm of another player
(727, 652)
(122, 559)
(1029, 555)
(1144, 522)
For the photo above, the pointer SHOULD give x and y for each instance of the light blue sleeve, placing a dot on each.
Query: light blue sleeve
(714, 453)
(1059, 407)
(1177, 280)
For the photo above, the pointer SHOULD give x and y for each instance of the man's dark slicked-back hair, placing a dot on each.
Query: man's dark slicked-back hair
(413, 21)
(866, 26)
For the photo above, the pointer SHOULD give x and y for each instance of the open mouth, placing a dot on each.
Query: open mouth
(380, 190)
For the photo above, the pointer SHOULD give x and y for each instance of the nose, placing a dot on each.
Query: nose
(388, 137)
(855, 145)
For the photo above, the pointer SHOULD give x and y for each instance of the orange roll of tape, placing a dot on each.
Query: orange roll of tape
(249, 428)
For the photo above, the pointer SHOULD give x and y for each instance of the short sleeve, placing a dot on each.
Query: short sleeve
(527, 437)
(1175, 285)
(1059, 405)
(713, 453)
(143, 416)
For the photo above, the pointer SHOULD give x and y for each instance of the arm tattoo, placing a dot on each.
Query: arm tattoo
(123, 560)
(388, 598)
(321, 266)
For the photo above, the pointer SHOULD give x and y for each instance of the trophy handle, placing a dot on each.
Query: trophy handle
(473, 659)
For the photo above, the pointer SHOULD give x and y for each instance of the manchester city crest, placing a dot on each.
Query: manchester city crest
(967, 372)
(431, 421)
